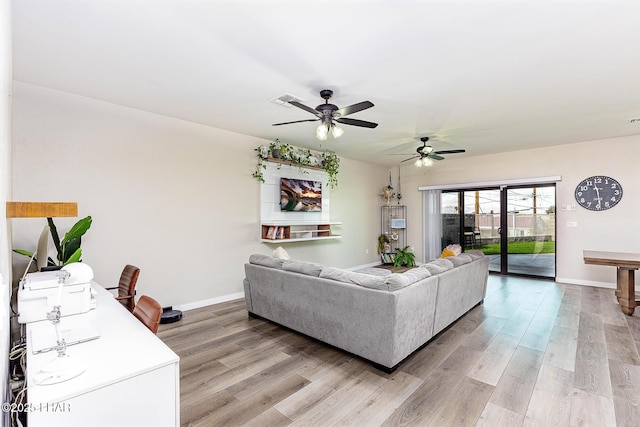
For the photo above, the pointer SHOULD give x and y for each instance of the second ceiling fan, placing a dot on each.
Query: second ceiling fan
(426, 155)
(329, 115)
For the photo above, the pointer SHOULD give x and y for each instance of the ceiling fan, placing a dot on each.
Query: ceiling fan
(426, 155)
(329, 115)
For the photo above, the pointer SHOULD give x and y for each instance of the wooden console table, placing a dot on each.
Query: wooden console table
(626, 263)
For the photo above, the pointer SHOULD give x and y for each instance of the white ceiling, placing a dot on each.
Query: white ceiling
(485, 76)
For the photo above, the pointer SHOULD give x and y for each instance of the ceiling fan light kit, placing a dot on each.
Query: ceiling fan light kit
(330, 115)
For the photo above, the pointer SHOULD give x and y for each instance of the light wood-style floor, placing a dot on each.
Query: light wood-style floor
(535, 353)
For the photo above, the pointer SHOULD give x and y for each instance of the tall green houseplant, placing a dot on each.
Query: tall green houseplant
(69, 247)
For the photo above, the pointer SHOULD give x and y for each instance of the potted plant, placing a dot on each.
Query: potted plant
(69, 247)
(383, 240)
(404, 257)
(331, 163)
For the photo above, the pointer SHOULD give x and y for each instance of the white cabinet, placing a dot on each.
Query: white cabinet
(132, 377)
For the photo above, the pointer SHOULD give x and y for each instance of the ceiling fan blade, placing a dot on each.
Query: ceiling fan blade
(297, 121)
(435, 157)
(449, 152)
(356, 122)
(354, 108)
(304, 107)
(410, 158)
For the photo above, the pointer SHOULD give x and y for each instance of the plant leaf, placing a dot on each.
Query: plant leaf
(70, 248)
(78, 229)
(54, 236)
(23, 252)
(75, 257)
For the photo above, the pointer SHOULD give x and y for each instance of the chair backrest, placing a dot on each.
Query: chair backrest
(148, 311)
(127, 286)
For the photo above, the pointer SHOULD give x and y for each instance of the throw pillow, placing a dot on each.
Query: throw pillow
(280, 253)
(447, 253)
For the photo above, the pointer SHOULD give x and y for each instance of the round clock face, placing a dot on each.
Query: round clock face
(598, 193)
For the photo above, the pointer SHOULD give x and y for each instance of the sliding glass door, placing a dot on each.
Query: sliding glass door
(513, 226)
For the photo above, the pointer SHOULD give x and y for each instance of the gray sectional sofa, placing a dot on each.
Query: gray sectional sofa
(382, 318)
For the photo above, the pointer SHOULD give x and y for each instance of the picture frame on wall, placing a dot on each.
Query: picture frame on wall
(398, 223)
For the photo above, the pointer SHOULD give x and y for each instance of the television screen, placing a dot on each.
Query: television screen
(300, 195)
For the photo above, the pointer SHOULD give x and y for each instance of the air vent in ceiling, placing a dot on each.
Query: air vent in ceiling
(284, 100)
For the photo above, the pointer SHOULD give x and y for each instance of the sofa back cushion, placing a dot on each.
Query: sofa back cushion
(365, 280)
(400, 280)
(460, 260)
(438, 266)
(265, 261)
(475, 254)
(304, 267)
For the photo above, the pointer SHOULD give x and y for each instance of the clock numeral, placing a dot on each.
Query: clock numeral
(579, 193)
(584, 188)
(617, 192)
(598, 180)
(613, 199)
(588, 203)
(589, 183)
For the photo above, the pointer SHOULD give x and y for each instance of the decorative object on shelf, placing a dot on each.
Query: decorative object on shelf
(387, 192)
(598, 193)
(295, 156)
(383, 241)
(69, 247)
(404, 257)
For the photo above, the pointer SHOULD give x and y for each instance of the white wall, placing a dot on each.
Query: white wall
(175, 198)
(5, 194)
(611, 230)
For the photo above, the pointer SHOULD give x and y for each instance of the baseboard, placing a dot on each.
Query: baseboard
(607, 285)
(210, 301)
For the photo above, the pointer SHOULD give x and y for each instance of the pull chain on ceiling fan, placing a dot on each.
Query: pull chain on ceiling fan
(330, 115)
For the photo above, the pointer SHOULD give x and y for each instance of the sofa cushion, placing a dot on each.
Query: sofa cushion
(475, 254)
(438, 266)
(400, 280)
(304, 267)
(459, 260)
(365, 280)
(265, 261)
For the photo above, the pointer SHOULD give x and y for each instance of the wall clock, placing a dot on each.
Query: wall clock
(598, 193)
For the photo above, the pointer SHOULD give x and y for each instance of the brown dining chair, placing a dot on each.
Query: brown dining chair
(148, 311)
(127, 286)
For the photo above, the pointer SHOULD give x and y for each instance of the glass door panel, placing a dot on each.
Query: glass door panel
(531, 237)
(482, 224)
(450, 211)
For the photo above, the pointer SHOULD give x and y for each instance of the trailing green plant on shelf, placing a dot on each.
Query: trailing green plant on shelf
(383, 239)
(404, 257)
(300, 157)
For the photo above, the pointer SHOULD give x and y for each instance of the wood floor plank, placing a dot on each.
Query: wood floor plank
(561, 351)
(383, 402)
(426, 400)
(485, 333)
(422, 363)
(495, 359)
(513, 391)
(518, 324)
(568, 315)
(620, 344)
(538, 333)
(242, 411)
(466, 405)
(342, 401)
(625, 382)
(497, 416)
(591, 372)
(550, 403)
(591, 410)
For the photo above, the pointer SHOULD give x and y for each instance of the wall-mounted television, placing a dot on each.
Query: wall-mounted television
(300, 195)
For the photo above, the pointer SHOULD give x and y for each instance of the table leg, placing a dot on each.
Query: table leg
(626, 290)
